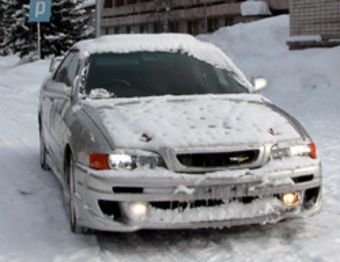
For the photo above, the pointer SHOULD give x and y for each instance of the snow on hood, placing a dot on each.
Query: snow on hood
(192, 121)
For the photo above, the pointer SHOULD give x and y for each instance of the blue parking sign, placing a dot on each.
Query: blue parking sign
(40, 11)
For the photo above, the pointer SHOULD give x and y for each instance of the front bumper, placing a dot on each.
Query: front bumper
(177, 201)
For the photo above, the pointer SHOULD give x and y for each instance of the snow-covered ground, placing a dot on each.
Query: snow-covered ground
(33, 222)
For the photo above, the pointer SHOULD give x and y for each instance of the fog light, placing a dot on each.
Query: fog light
(138, 208)
(291, 199)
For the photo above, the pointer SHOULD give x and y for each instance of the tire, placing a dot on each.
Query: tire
(69, 196)
(43, 152)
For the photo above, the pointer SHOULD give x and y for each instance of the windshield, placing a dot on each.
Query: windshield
(142, 74)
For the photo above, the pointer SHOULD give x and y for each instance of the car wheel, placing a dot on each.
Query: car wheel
(43, 152)
(69, 196)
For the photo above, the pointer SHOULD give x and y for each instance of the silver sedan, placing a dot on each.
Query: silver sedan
(165, 132)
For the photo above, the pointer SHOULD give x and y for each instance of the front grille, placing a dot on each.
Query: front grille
(225, 159)
(177, 205)
(183, 205)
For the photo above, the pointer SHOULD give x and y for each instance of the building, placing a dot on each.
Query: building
(185, 16)
(314, 23)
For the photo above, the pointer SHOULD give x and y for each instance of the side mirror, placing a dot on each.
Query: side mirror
(58, 91)
(259, 83)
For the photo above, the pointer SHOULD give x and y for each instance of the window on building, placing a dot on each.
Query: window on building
(130, 29)
(173, 27)
(193, 27)
(119, 3)
(158, 27)
(108, 3)
(118, 30)
(143, 29)
(213, 24)
(229, 21)
(131, 2)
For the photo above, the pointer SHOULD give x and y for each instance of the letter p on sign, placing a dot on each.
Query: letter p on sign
(40, 11)
(40, 8)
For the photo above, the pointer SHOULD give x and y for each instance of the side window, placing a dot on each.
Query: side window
(221, 75)
(68, 69)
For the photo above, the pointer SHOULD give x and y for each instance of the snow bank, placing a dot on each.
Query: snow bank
(260, 49)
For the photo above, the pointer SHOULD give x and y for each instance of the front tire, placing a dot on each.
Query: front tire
(69, 196)
(43, 152)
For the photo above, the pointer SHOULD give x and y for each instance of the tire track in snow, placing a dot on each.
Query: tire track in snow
(280, 242)
(33, 222)
(182, 246)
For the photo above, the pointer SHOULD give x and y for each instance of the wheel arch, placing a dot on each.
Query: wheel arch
(67, 157)
(39, 119)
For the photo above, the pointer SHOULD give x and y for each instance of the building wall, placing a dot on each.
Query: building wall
(187, 16)
(315, 17)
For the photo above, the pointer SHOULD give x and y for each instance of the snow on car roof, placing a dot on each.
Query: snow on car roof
(126, 43)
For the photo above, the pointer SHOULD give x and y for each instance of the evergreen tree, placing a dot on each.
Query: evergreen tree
(68, 24)
(13, 20)
(20, 35)
(2, 29)
(4, 19)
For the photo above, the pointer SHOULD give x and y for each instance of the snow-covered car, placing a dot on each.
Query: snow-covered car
(165, 132)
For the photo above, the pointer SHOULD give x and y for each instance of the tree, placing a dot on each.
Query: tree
(20, 35)
(68, 24)
(2, 29)
(6, 21)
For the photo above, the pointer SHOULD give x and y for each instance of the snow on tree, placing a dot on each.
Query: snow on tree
(20, 35)
(68, 24)
(17, 34)
(2, 30)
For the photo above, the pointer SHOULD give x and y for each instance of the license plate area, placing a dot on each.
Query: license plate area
(220, 191)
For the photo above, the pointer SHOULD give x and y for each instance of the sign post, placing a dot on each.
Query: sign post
(40, 11)
(98, 17)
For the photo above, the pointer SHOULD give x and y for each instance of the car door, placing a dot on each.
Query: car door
(57, 128)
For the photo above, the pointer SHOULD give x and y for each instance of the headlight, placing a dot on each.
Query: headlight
(308, 150)
(124, 161)
(121, 162)
(303, 150)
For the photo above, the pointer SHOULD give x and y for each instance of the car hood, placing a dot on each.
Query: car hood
(192, 121)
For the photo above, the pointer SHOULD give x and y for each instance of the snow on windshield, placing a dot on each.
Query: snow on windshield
(172, 43)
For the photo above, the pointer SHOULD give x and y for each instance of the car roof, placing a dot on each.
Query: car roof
(127, 43)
